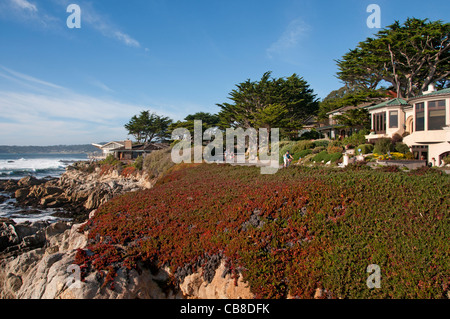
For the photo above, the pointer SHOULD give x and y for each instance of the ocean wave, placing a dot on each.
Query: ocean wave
(31, 164)
(39, 167)
(25, 172)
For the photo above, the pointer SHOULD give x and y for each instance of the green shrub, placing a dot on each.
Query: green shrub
(323, 143)
(320, 157)
(401, 147)
(158, 162)
(318, 149)
(383, 145)
(301, 154)
(110, 160)
(356, 138)
(333, 158)
(138, 163)
(311, 135)
(301, 146)
(446, 160)
(326, 157)
(365, 149)
(409, 156)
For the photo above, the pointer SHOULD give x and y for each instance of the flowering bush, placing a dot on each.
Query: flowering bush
(288, 233)
(392, 155)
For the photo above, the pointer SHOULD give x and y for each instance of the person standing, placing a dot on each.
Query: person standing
(287, 158)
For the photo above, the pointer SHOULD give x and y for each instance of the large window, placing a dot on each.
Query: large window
(393, 119)
(379, 122)
(436, 115)
(420, 116)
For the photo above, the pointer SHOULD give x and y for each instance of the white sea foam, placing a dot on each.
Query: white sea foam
(17, 166)
(31, 165)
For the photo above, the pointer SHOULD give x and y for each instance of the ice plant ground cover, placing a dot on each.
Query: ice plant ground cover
(287, 233)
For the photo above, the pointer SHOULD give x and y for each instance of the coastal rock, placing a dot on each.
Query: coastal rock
(21, 193)
(18, 238)
(77, 191)
(29, 181)
(49, 272)
(37, 259)
(220, 287)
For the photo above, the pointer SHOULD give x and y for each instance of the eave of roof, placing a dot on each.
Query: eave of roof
(440, 92)
(392, 102)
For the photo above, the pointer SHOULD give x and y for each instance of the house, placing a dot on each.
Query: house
(423, 121)
(130, 152)
(309, 125)
(109, 147)
(125, 150)
(331, 129)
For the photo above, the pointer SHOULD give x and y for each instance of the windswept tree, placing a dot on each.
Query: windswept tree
(208, 121)
(410, 56)
(148, 127)
(354, 118)
(348, 96)
(284, 103)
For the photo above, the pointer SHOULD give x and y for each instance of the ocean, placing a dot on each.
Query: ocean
(17, 166)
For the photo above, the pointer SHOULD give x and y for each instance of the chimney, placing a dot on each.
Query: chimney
(431, 88)
(128, 145)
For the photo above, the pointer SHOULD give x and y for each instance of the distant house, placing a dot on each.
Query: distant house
(109, 147)
(331, 129)
(125, 150)
(309, 125)
(130, 152)
(423, 120)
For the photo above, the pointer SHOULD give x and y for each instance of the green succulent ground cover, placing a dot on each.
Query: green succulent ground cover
(288, 233)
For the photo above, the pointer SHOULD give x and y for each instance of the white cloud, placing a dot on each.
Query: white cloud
(42, 113)
(24, 4)
(102, 24)
(290, 38)
(102, 86)
(28, 13)
(125, 38)
(20, 76)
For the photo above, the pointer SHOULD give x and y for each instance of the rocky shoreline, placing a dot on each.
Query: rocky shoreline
(37, 258)
(77, 192)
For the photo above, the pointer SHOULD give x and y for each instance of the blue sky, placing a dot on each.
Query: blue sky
(74, 86)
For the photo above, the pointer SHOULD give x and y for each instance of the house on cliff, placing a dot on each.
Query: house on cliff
(126, 150)
(423, 121)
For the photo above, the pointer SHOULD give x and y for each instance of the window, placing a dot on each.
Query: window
(393, 119)
(420, 116)
(436, 115)
(379, 122)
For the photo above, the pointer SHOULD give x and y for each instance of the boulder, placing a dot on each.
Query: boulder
(29, 181)
(17, 238)
(221, 287)
(21, 193)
